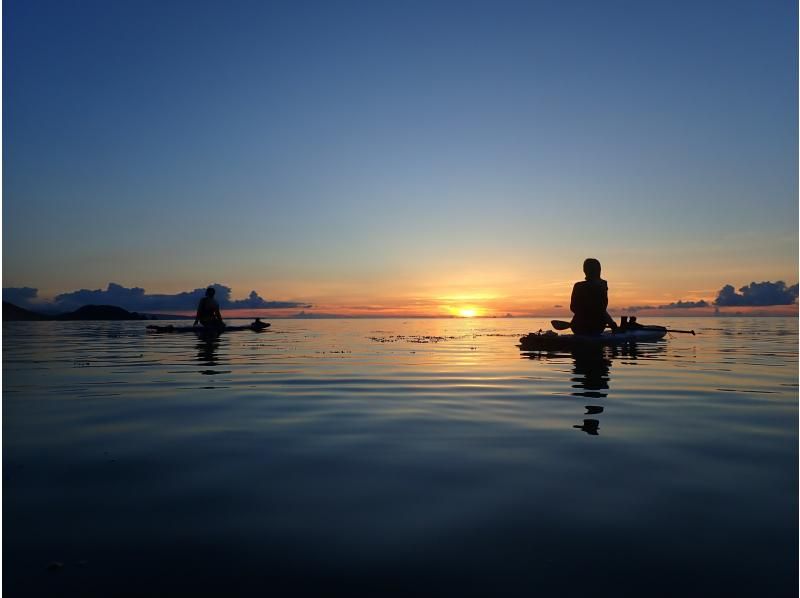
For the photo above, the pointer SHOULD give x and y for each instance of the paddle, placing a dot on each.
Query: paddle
(562, 325)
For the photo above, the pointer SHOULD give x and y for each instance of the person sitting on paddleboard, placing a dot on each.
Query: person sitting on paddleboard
(208, 311)
(589, 302)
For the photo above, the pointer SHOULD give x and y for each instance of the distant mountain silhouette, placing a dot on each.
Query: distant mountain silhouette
(12, 312)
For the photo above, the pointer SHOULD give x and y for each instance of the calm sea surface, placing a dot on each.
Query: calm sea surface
(338, 457)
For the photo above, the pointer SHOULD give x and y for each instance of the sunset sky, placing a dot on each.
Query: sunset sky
(400, 157)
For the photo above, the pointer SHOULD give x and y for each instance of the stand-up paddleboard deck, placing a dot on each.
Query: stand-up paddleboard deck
(537, 341)
(170, 329)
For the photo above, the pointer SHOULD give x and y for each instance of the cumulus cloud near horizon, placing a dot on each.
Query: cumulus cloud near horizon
(758, 294)
(137, 299)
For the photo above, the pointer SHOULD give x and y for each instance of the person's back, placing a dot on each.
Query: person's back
(589, 301)
(208, 310)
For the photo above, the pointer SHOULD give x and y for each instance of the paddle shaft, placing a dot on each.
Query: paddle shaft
(668, 329)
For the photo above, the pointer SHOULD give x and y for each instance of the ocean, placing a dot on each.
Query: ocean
(406, 457)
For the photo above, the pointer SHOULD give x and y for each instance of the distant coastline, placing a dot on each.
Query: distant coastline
(14, 313)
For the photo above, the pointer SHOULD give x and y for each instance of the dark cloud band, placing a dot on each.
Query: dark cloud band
(137, 299)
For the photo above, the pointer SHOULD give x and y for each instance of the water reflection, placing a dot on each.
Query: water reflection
(325, 472)
(590, 426)
(207, 350)
(591, 372)
(591, 366)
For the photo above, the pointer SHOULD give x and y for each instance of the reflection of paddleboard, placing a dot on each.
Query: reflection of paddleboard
(536, 341)
(255, 327)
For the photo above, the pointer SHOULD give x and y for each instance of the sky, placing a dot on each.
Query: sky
(400, 157)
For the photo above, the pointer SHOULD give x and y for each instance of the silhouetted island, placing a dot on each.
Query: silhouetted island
(13, 312)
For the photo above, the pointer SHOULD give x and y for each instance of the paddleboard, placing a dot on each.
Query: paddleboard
(170, 329)
(536, 341)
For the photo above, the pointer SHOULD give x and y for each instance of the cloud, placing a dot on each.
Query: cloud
(758, 294)
(137, 299)
(20, 296)
(253, 301)
(679, 304)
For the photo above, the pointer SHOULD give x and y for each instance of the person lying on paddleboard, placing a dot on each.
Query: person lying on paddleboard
(589, 302)
(208, 311)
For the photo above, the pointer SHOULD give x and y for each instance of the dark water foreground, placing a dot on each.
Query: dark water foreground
(419, 457)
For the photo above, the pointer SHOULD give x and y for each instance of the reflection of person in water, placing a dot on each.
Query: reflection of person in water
(591, 369)
(591, 366)
(590, 426)
(591, 373)
(207, 350)
(208, 311)
(589, 302)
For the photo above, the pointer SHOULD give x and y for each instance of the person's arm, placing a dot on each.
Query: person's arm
(197, 315)
(609, 320)
(573, 301)
(217, 314)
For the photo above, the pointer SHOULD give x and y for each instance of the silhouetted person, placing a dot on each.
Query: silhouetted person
(590, 301)
(208, 311)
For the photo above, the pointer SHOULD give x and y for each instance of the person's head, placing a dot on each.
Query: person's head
(591, 267)
(210, 291)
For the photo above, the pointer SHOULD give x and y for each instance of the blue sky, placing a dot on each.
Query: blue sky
(342, 153)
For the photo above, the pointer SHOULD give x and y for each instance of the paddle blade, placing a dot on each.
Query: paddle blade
(560, 324)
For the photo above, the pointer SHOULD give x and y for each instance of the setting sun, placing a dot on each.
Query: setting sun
(463, 311)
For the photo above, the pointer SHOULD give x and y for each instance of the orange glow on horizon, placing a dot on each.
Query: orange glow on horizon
(462, 297)
(430, 309)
